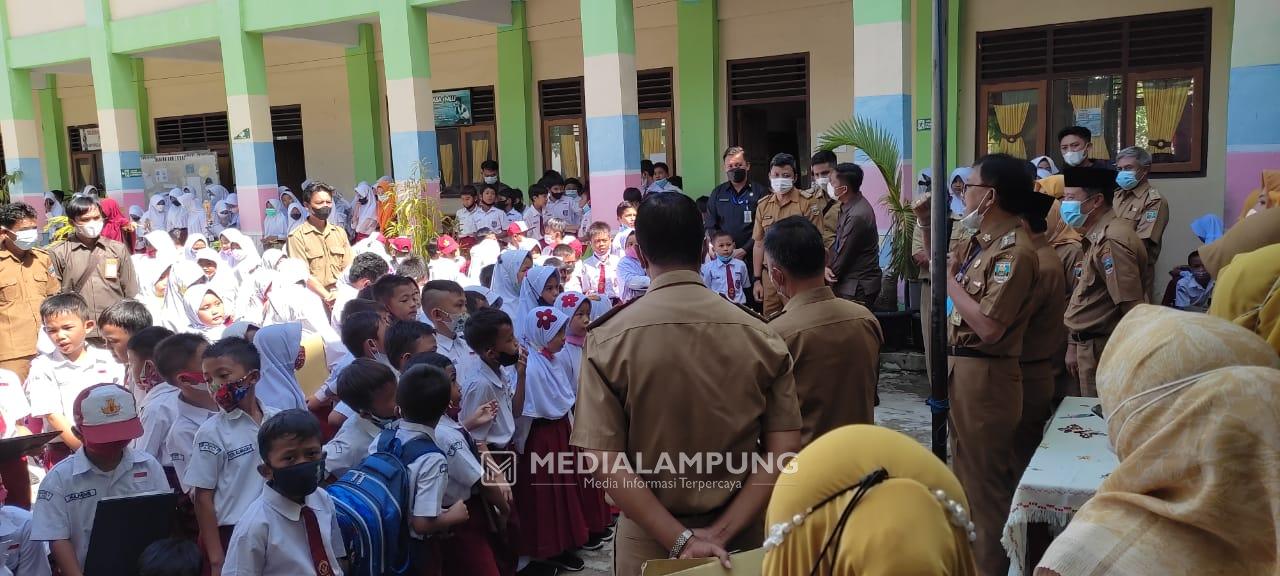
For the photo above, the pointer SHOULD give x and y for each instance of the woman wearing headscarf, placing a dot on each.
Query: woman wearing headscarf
(955, 188)
(182, 276)
(220, 276)
(195, 243)
(365, 214)
(297, 215)
(541, 287)
(1045, 167)
(200, 214)
(114, 222)
(223, 218)
(508, 273)
(205, 312)
(272, 257)
(155, 218)
(386, 194)
(153, 280)
(217, 192)
(280, 347)
(868, 501)
(287, 299)
(275, 224)
(373, 244)
(1192, 404)
(1248, 293)
(52, 207)
(179, 211)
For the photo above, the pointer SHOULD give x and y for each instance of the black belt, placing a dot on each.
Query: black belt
(1086, 336)
(966, 352)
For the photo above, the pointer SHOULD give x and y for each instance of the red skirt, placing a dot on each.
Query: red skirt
(549, 504)
(469, 550)
(18, 481)
(598, 513)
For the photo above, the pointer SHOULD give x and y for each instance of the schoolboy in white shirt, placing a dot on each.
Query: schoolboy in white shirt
(105, 420)
(19, 554)
(158, 407)
(444, 303)
(598, 274)
(178, 360)
(490, 335)
(488, 215)
(724, 274)
(369, 388)
(292, 527)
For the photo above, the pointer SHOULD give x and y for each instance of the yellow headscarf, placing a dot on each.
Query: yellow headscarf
(1247, 292)
(1193, 413)
(1051, 185)
(898, 527)
(1270, 187)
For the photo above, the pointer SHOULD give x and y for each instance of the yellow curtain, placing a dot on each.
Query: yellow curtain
(1165, 106)
(1011, 118)
(651, 142)
(569, 155)
(446, 164)
(479, 153)
(1094, 100)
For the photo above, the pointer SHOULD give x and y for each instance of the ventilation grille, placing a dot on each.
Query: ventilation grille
(1180, 39)
(1086, 48)
(286, 122)
(482, 105)
(653, 90)
(561, 97)
(784, 77)
(191, 131)
(1013, 54)
(73, 136)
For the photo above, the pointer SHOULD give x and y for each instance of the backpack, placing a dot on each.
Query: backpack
(373, 506)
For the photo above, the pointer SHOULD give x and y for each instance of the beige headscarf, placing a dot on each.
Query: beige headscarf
(899, 527)
(1193, 413)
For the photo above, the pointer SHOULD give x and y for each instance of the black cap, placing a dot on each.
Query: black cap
(1093, 178)
(1037, 205)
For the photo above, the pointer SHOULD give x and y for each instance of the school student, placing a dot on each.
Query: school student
(223, 472)
(399, 294)
(598, 274)
(178, 360)
(105, 419)
(491, 336)
(366, 268)
(19, 554)
(292, 526)
(633, 280)
(479, 297)
(444, 265)
(407, 339)
(148, 386)
(158, 408)
(369, 388)
(363, 334)
(117, 324)
(725, 275)
(445, 305)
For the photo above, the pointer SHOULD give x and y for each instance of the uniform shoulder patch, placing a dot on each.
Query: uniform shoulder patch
(1008, 239)
(1150, 215)
(611, 313)
(753, 313)
(1002, 270)
(1108, 263)
(1154, 195)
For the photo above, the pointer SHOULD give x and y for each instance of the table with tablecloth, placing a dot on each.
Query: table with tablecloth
(1071, 462)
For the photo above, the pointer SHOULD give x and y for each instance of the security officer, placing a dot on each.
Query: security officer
(785, 201)
(1138, 203)
(323, 246)
(25, 282)
(989, 278)
(1112, 277)
(635, 402)
(1046, 338)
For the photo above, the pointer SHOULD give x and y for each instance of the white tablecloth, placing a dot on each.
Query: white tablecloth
(1073, 459)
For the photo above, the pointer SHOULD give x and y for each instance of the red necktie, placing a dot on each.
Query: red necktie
(315, 542)
(600, 283)
(728, 274)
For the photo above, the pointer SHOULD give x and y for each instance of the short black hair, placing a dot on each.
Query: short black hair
(368, 266)
(632, 194)
(795, 245)
(562, 250)
(423, 394)
(624, 206)
(428, 358)
(489, 164)
(79, 205)
(402, 335)
(551, 178)
(174, 353)
(676, 180)
(131, 315)
(473, 303)
(360, 380)
(1193, 254)
(1084, 133)
(482, 328)
(170, 557)
(783, 159)
(435, 289)
(537, 190)
(292, 423)
(1011, 182)
(239, 350)
(412, 268)
(386, 287)
(701, 202)
(144, 341)
(13, 212)
(469, 190)
(67, 303)
(485, 187)
(669, 230)
(718, 234)
(646, 166)
(662, 165)
(823, 157)
(316, 187)
(486, 275)
(359, 305)
(357, 328)
(850, 174)
(574, 181)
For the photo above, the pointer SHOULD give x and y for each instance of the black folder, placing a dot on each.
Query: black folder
(123, 527)
(18, 446)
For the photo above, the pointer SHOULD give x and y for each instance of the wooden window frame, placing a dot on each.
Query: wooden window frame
(1197, 101)
(547, 124)
(670, 117)
(1042, 111)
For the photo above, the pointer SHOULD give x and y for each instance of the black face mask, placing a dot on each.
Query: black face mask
(737, 175)
(557, 196)
(363, 201)
(298, 481)
(322, 213)
(176, 203)
(507, 359)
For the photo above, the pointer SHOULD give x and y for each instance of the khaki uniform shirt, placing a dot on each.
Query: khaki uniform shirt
(111, 280)
(24, 283)
(772, 208)
(1252, 233)
(1002, 269)
(733, 384)
(830, 214)
(835, 345)
(327, 252)
(1148, 212)
(1111, 274)
(1045, 330)
(1072, 255)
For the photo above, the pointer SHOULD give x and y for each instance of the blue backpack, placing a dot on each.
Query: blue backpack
(373, 506)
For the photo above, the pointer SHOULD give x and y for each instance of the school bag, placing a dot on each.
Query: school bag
(373, 504)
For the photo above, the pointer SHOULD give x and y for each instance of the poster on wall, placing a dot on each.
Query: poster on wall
(196, 170)
(452, 108)
(1090, 118)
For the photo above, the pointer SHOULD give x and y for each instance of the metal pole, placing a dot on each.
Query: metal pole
(940, 236)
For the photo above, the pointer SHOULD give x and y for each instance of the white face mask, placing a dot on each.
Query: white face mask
(781, 185)
(831, 191)
(26, 239)
(90, 230)
(821, 183)
(973, 220)
(490, 179)
(548, 239)
(1074, 157)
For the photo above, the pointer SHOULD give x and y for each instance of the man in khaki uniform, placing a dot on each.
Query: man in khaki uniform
(25, 282)
(783, 202)
(1139, 204)
(683, 373)
(823, 168)
(1045, 342)
(322, 245)
(989, 279)
(1112, 276)
(98, 269)
(835, 343)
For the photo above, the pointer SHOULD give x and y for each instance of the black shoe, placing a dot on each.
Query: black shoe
(536, 569)
(603, 536)
(569, 562)
(594, 542)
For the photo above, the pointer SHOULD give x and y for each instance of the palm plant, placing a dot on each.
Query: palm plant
(7, 181)
(418, 216)
(881, 148)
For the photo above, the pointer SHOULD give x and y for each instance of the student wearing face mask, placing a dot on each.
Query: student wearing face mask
(1138, 203)
(28, 267)
(1076, 143)
(560, 204)
(1112, 277)
(783, 202)
(489, 175)
(99, 269)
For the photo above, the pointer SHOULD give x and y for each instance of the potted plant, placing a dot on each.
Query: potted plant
(417, 216)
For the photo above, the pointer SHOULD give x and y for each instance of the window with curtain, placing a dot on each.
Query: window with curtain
(564, 126)
(1132, 81)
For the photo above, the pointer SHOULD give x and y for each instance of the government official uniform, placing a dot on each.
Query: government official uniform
(835, 345)
(1112, 275)
(1043, 351)
(25, 281)
(1252, 233)
(101, 273)
(770, 210)
(1148, 212)
(633, 399)
(999, 268)
(830, 214)
(855, 253)
(327, 251)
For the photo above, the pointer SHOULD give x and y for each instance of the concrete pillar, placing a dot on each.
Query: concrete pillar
(20, 135)
(115, 93)
(248, 115)
(54, 134)
(881, 80)
(1253, 119)
(697, 67)
(516, 133)
(366, 107)
(410, 112)
(613, 123)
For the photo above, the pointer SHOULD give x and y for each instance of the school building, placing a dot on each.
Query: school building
(349, 90)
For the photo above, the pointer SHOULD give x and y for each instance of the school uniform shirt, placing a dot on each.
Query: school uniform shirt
(158, 412)
(533, 219)
(514, 215)
(565, 208)
(716, 275)
(55, 381)
(177, 446)
(633, 280)
(350, 445)
(589, 276)
(454, 349)
(444, 269)
(465, 226)
(19, 554)
(430, 474)
(345, 292)
(275, 524)
(493, 218)
(480, 385)
(68, 497)
(225, 459)
(13, 404)
(464, 469)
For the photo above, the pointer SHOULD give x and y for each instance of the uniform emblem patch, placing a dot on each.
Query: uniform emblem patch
(1077, 270)
(1108, 264)
(1002, 270)
(1150, 216)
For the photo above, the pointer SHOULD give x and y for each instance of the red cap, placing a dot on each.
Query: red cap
(577, 247)
(446, 244)
(517, 227)
(107, 413)
(401, 244)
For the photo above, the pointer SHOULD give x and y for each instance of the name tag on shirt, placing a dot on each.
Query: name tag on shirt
(746, 216)
(111, 269)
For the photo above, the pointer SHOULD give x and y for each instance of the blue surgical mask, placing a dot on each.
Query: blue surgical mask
(957, 205)
(1127, 179)
(1071, 214)
(660, 183)
(725, 259)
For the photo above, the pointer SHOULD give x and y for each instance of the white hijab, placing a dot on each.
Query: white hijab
(277, 225)
(367, 211)
(373, 244)
(188, 250)
(548, 392)
(191, 301)
(57, 209)
(176, 216)
(530, 293)
(182, 276)
(504, 283)
(297, 214)
(278, 346)
(217, 192)
(154, 218)
(272, 257)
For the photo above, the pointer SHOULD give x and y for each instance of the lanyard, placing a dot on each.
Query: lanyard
(972, 256)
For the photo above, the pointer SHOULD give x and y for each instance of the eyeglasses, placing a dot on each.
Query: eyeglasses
(968, 186)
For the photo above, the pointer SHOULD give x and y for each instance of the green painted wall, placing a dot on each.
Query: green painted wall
(144, 107)
(56, 163)
(404, 40)
(697, 64)
(366, 109)
(608, 39)
(514, 93)
(922, 91)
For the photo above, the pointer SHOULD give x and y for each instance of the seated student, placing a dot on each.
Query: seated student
(725, 275)
(118, 323)
(633, 280)
(399, 295)
(368, 388)
(222, 470)
(106, 419)
(20, 555)
(598, 273)
(406, 339)
(178, 360)
(445, 305)
(57, 378)
(366, 268)
(170, 557)
(158, 408)
(1195, 286)
(491, 336)
(292, 526)
(413, 268)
